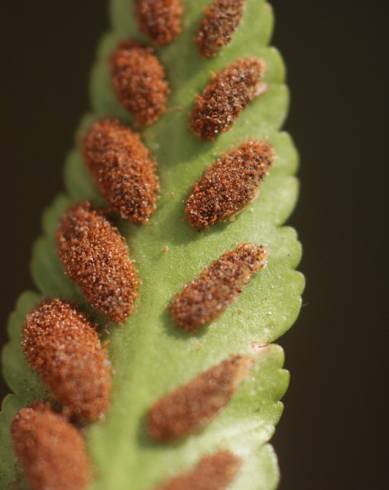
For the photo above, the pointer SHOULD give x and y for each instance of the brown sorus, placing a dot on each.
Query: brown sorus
(214, 472)
(160, 19)
(64, 349)
(218, 25)
(208, 296)
(123, 169)
(95, 257)
(139, 81)
(50, 450)
(229, 184)
(226, 95)
(195, 404)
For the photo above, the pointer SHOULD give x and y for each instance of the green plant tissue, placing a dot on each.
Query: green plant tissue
(150, 356)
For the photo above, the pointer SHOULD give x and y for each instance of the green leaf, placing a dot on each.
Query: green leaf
(149, 355)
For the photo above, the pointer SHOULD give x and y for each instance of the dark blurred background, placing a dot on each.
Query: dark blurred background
(329, 436)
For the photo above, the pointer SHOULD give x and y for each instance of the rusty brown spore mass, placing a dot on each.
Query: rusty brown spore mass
(218, 25)
(229, 184)
(123, 169)
(64, 349)
(50, 450)
(160, 19)
(226, 95)
(139, 81)
(208, 296)
(95, 257)
(195, 404)
(214, 472)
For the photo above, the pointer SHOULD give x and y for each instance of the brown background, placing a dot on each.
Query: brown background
(329, 437)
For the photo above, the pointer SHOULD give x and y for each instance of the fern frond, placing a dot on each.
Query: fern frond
(151, 357)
